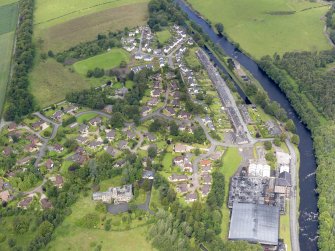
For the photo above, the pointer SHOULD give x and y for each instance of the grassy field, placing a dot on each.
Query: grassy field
(163, 36)
(70, 236)
(106, 61)
(285, 228)
(263, 27)
(51, 81)
(231, 161)
(64, 35)
(8, 19)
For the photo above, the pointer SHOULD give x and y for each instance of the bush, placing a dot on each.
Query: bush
(90, 220)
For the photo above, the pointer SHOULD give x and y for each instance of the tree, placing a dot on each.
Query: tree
(174, 130)
(290, 126)
(45, 229)
(219, 28)
(270, 156)
(268, 145)
(152, 152)
(295, 139)
(117, 120)
(277, 142)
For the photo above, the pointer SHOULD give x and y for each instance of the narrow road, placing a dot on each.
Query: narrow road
(294, 225)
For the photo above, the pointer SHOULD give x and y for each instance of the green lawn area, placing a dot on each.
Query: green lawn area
(106, 61)
(163, 36)
(112, 182)
(71, 236)
(231, 161)
(8, 19)
(192, 59)
(86, 117)
(284, 232)
(167, 161)
(263, 27)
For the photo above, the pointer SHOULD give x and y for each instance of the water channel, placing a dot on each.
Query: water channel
(308, 198)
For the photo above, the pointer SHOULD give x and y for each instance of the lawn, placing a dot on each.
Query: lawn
(284, 232)
(86, 117)
(70, 236)
(8, 18)
(64, 35)
(107, 60)
(51, 81)
(231, 161)
(163, 36)
(261, 27)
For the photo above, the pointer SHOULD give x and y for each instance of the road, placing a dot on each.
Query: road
(294, 225)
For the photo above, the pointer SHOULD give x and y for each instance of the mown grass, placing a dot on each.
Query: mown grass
(260, 33)
(5, 2)
(284, 232)
(51, 81)
(71, 236)
(8, 18)
(107, 60)
(163, 36)
(231, 161)
(64, 35)
(86, 117)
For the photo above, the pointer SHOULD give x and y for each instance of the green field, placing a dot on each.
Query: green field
(263, 27)
(106, 61)
(231, 161)
(8, 19)
(163, 36)
(51, 81)
(70, 236)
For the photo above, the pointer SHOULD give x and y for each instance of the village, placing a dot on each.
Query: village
(189, 147)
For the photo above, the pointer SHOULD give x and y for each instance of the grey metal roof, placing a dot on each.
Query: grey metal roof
(254, 223)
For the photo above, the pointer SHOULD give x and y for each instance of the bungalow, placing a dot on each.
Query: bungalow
(71, 109)
(58, 148)
(7, 151)
(148, 58)
(138, 56)
(182, 188)
(33, 139)
(191, 197)
(30, 148)
(145, 110)
(49, 164)
(96, 121)
(130, 135)
(207, 179)
(95, 144)
(45, 203)
(25, 202)
(178, 160)
(153, 102)
(122, 144)
(82, 139)
(178, 178)
(57, 115)
(180, 148)
(110, 134)
(5, 196)
(40, 125)
(24, 161)
(205, 163)
(110, 150)
(170, 111)
(205, 189)
(156, 93)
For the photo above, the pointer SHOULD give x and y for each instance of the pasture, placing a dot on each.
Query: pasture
(263, 27)
(51, 81)
(107, 60)
(64, 35)
(8, 19)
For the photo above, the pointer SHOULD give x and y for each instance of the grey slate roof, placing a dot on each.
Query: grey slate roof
(284, 179)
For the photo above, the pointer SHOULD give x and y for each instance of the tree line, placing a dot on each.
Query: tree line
(19, 100)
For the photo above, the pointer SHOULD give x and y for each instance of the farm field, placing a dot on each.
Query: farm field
(107, 60)
(264, 27)
(85, 28)
(8, 19)
(51, 81)
(70, 236)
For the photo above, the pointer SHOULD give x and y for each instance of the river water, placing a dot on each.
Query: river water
(308, 198)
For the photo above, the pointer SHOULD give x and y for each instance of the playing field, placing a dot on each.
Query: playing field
(64, 35)
(8, 19)
(106, 61)
(263, 27)
(51, 81)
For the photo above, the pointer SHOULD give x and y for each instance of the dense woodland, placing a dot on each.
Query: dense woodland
(19, 100)
(307, 78)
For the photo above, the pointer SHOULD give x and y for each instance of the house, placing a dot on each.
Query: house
(182, 188)
(178, 177)
(205, 189)
(205, 163)
(59, 181)
(33, 139)
(191, 197)
(96, 121)
(145, 110)
(151, 137)
(71, 109)
(283, 183)
(170, 111)
(49, 164)
(138, 56)
(122, 144)
(156, 93)
(58, 148)
(24, 161)
(147, 174)
(25, 202)
(82, 139)
(180, 148)
(178, 160)
(30, 148)
(184, 115)
(95, 144)
(110, 150)
(12, 127)
(130, 135)
(83, 128)
(110, 134)
(175, 103)
(121, 92)
(40, 125)
(57, 115)
(108, 109)
(7, 151)
(153, 102)
(206, 179)
(122, 194)
(216, 156)
(120, 163)
(5, 196)
(45, 203)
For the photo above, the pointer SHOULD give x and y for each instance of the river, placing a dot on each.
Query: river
(308, 197)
